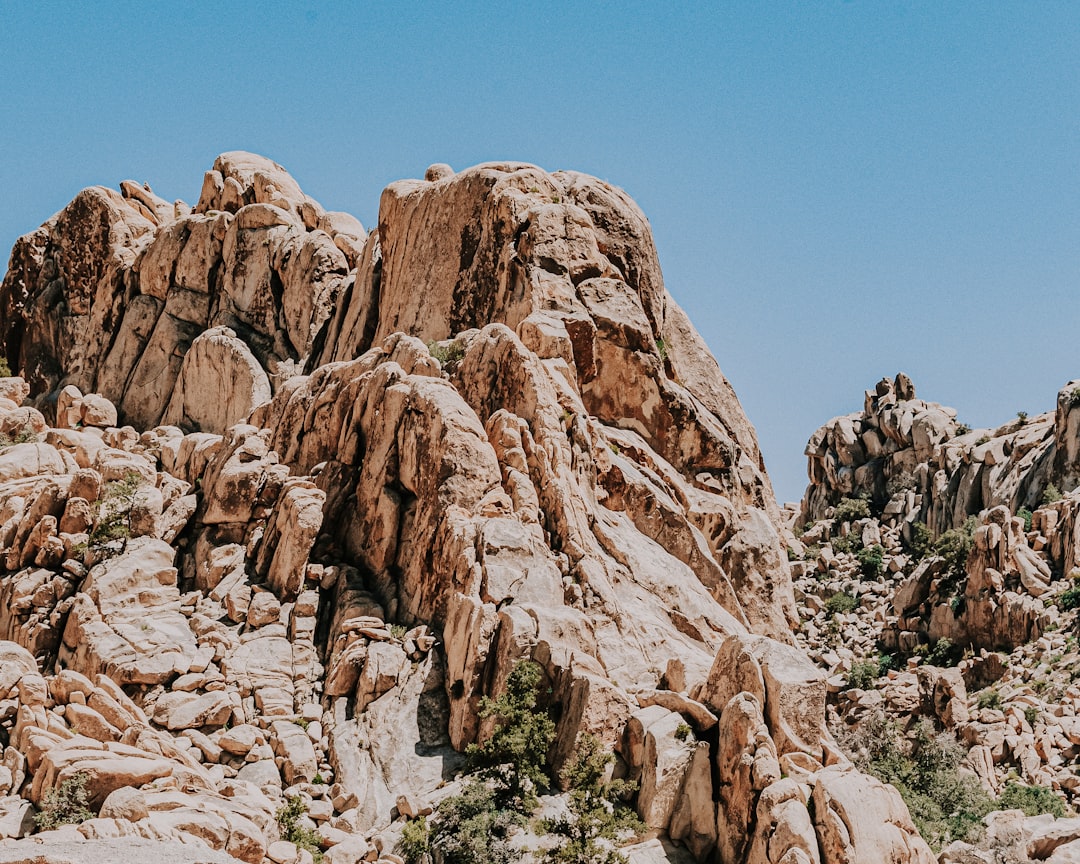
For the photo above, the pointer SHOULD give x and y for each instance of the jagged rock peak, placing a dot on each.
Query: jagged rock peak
(275, 469)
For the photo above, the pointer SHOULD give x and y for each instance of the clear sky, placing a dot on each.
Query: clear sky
(838, 190)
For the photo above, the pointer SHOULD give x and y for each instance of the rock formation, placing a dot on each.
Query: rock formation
(290, 498)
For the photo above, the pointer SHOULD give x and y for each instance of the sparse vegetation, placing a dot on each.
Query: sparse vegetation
(990, 698)
(944, 653)
(1026, 515)
(23, 436)
(1073, 399)
(398, 631)
(850, 509)
(289, 817)
(66, 804)
(5, 369)
(113, 511)
(902, 482)
(1051, 494)
(415, 843)
(446, 353)
(515, 755)
(597, 817)
(962, 428)
(1033, 800)
(683, 732)
(945, 804)
(840, 602)
(871, 561)
(661, 349)
(1022, 417)
(863, 674)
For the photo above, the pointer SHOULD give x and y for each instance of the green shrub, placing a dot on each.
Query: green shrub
(1022, 416)
(113, 511)
(962, 428)
(473, 829)
(1026, 515)
(398, 631)
(850, 509)
(1031, 714)
(902, 482)
(23, 436)
(288, 818)
(66, 804)
(841, 601)
(515, 756)
(1069, 598)
(446, 353)
(847, 544)
(415, 843)
(982, 439)
(863, 674)
(596, 811)
(944, 804)
(871, 561)
(1073, 398)
(944, 653)
(990, 698)
(661, 349)
(921, 541)
(1051, 494)
(954, 546)
(1033, 800)
(683, 732)
(5, 369)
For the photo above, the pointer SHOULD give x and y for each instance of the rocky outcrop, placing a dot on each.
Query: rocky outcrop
(359, 478)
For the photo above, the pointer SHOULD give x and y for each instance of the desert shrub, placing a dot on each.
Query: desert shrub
(962, 428)
(415, 842)
(848, 544)
(922, 541)
(292, 829)
(472, 828)
(944, 804)
(1073, 398)
(863, 674)
(1070, 597)
(23, 436)
(850, 509)
(902, 482)
(5, 369)
(450, 352)
(66, 804)
(953, 547)
(944, 653)
(1051, 494)
(841, 601)
(1026, 515)
(683, 732)
(1033, 800)
(1031, 714)
(871, 561)
(113, 509)
(515, 756)
(811, 552)
(661, 349)
(597, 818)
(990, 698)
(1022, 417)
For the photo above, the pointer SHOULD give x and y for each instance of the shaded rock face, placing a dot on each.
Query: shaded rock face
(361, 476)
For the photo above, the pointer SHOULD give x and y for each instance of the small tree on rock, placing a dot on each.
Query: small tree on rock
(514, 758)
(597, 818)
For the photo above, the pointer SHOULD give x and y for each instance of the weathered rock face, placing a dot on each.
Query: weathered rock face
(374, 473)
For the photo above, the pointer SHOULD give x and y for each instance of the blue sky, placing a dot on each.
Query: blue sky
(838, 190)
